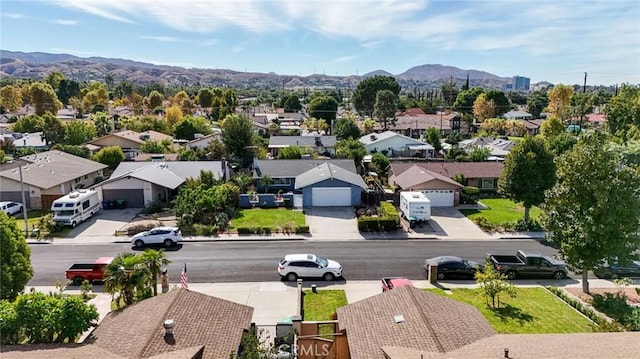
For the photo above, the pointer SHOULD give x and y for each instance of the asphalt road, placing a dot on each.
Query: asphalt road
(257, 261)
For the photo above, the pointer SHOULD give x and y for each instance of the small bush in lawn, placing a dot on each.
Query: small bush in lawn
(153, 207)
(483, 223)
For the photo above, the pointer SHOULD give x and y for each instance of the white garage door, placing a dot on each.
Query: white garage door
(331, 196)
(440, 197)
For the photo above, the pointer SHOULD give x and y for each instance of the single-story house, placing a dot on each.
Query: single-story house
(203, 141)
(140, 183)
(33, 140)
(517, 115)
(129, 141)
(396, 145)
(411, 123)
(441, 190)
(408, 322)
(498, 147)
(320, 144)
(204, 327)
(321, 182)
(46, 176)
(483, 175)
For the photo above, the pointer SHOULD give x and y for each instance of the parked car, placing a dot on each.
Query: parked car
(524, 264)
(11, 208)
(79, 272)
(450, 267)
(614, 271)
(294, 266)
(168, 236)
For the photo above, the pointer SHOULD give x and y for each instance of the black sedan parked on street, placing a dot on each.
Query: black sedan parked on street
(614, 271)
(450, 267)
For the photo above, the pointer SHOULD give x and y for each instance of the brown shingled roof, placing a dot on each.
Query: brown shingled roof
(416, 175)
(57, 351)
(137, 331)
(370, 323)
(487, 169)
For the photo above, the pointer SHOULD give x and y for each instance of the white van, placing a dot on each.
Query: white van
(75, 207)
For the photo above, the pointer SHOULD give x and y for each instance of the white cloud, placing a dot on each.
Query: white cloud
(65, 22)
(14, 16)
(160, 38)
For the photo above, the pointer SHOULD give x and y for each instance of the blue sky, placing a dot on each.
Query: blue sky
(555, 41)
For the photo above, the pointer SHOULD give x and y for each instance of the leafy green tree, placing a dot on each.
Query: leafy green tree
(561, 143)
(291, 103)
(591, 213)
(528, 172)
(364, 96)
(380, 163)
(29, 124)
(43, 98)
(479, 154)
(54, 78)
(266, 181)
(483, 108)
(123, 89)
(15, 267)
(465, 99)
(500, 100)
(346, 128)
(187, 128)
(205, 98)
(385, 108)
(128, 276)
(155, 99)
(68, 89)
(536, 103)
(493, 283)
(110, 156)
(78, 132)
(101, 123)
(243, 181)
(237, 136)
(155, 261)
(552, 127)
(79, 151)
(10, 98)
(623, 111)
(432, 137)
(188, 154)
(216, 150)
(290, 153)
(323, 108)
(351, 148)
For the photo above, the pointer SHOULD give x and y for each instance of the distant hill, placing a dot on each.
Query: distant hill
(38, 65)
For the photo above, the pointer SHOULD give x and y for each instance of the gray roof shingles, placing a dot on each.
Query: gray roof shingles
(302, 141)
(294, 168)
(328, 171)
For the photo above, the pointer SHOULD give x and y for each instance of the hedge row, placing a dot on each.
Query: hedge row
(602, 324)
(269, 230)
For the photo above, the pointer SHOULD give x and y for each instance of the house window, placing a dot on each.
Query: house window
(77, 180)
(488, 183)
(86, 177)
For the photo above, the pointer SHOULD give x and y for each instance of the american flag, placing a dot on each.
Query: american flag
(184, 278)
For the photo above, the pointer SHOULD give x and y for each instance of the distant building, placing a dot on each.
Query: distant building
(520, 83)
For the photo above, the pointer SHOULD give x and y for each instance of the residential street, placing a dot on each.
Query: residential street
(256, 261)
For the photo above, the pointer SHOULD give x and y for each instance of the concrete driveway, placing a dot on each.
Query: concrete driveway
(105, 223)
(327, 221)
(449, 223)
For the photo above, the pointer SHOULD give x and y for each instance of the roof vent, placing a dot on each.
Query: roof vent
(373, 137)
(168, 327)
(399, 318)
(144, 136)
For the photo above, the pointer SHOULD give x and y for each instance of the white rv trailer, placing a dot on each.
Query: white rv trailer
(415, 206)
(75, 207)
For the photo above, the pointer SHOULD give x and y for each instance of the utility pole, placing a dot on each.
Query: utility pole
(584, 87)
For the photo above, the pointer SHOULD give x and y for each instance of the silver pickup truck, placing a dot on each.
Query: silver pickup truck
(528, 265)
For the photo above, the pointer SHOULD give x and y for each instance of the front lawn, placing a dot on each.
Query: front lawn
(323, 304)
(501, 211)
(272, 218)
(532, 311)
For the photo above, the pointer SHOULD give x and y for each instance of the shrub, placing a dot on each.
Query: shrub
(483, 223)
(388, 210)
(140, 228)
(602, 324)
(153, 207)
(469, 195)
(244, 230)
(302, 229)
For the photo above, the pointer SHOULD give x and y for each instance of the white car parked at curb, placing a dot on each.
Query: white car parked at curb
(168, 236)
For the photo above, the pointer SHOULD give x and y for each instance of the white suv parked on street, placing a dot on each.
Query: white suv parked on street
(293, 266)
(168, 236)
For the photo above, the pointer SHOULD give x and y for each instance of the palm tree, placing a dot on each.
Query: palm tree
(126, 275)
(155, 260)
(266, 181)
(243, 181)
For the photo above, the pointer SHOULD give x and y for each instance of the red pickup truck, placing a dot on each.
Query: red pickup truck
(80, 272)
(389, 283)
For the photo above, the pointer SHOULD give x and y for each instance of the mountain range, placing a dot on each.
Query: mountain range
(37, 65)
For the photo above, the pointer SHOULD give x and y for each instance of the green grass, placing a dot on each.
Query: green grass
(501, 210)
(270, 217)
(323, 304)
(532, 311)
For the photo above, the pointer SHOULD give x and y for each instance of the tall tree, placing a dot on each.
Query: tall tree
(15, 267)
(346, 128)
(465, 99)
(324, 108)
(351, 148)
(54, 78)
(552, 127)
(29, 124)
(155, 99)
(592, 211)
(501, 102)
(110, 156)
(432, 137)
(623, 111)
(205, 98)
(155, 261)
(385, 107)
(96, 97)
(78, 132)
(237, 136)
(528, 172)
(483, 108)
(560, 101)
(173, 115)
(43, 98)
(291, 103)
(101, 123)
(536, 103)
(10, 98)
(53, 130)
(364, 96)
